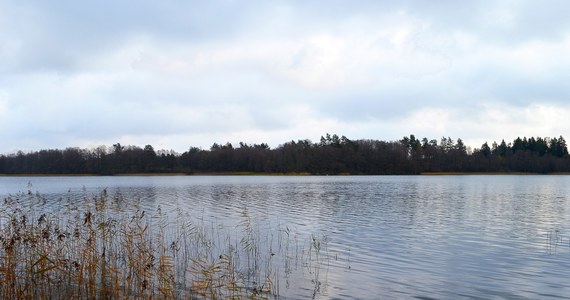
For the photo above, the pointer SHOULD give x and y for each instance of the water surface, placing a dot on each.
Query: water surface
(388, 237)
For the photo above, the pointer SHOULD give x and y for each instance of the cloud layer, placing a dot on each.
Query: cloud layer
(189, 73)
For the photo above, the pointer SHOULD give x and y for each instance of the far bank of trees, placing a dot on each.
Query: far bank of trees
(331, 155)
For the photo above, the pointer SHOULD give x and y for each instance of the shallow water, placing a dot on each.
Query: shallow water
(388, 237)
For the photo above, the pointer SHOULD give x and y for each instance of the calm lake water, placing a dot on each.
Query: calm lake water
(382, 237)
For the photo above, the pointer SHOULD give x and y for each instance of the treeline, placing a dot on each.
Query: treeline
(331, 155)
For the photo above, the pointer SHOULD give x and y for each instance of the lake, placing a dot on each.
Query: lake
(387, 237)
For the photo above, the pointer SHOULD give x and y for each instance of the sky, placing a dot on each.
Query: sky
(176, 74)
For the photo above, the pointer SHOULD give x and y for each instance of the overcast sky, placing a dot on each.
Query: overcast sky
(176, 74)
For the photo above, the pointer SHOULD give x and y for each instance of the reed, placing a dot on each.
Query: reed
(556, 239)
(99, 249)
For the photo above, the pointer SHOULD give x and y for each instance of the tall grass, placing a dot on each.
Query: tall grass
(104, 248)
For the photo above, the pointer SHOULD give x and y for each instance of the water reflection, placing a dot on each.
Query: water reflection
(390, 237)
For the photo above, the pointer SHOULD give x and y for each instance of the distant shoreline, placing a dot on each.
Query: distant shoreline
(480, 173)
(489, 173)
(167, 174)
(278, 174)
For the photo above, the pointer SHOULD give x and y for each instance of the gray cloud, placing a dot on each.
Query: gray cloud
(186, 73)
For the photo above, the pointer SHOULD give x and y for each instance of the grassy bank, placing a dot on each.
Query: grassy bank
(478, 173)
(169, 174)
(100, 249)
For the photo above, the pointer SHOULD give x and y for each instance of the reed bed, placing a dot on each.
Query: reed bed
(103, 248)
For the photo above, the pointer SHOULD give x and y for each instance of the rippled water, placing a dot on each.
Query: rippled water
(427, 237)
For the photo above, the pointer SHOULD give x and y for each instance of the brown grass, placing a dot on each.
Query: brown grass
(101, 251)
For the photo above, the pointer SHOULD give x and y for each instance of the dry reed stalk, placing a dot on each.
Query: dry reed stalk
(93, 252)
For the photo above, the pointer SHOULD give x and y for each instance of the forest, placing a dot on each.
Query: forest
(332, 155)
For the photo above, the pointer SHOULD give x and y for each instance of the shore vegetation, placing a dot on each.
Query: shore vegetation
(101, 248)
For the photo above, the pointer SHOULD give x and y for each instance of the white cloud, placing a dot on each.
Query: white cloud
(490, 122)
(3, 102)
(188, 73)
